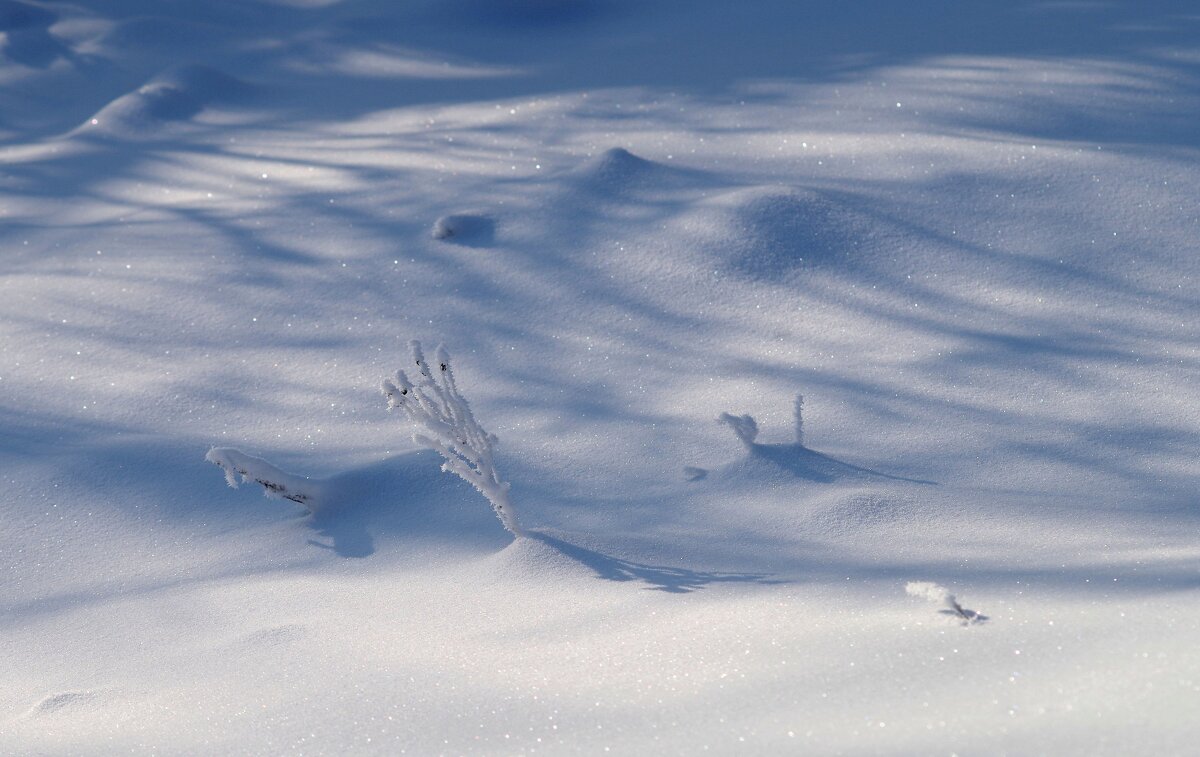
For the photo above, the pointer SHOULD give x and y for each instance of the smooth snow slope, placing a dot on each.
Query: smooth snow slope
(965, 231)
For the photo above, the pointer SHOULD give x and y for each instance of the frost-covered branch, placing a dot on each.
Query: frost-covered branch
(446, 424)
(275, 483)
(742, 425)
(800, 420)
(941, 595)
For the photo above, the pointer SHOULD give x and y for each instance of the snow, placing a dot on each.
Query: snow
(965, 232)
(275, 483)
(471, 229)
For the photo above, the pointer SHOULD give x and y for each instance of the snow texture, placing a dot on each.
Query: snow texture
(471, 229)
(967, 231)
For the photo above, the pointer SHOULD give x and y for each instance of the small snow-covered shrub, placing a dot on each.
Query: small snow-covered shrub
(275, 482)
(446, 424)
(940, 595)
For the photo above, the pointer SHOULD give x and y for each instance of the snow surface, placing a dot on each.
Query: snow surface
(966, 232)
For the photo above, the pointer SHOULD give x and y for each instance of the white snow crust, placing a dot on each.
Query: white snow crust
(966, 232)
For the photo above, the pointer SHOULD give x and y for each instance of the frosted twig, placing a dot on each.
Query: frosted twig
(799, 420)
(446, 424)
(275, 482)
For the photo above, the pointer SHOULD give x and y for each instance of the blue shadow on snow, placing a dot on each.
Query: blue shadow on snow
(666, 578)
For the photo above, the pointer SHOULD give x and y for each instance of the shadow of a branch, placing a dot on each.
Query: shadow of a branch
(814, 466)
(967, 616)
(657, 577)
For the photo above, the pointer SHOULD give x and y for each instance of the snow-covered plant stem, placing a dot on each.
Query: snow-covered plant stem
(800, 420)
(445, 423)
(275, 482)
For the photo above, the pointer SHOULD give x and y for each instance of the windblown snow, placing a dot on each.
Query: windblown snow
(966, 233)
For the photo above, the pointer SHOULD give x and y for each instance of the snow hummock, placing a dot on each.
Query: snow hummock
(968, 238)
(178, 94)
(472, 229)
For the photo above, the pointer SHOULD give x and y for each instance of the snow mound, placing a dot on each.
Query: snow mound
(854, 513)
(538, 557)
(176, 95)
(769, 233)
(468, 229)
(617, 171)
